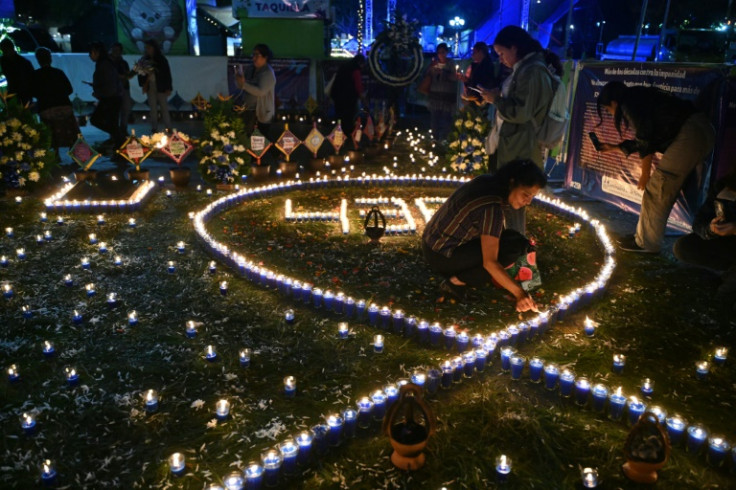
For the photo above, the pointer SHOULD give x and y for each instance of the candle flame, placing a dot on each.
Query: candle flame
(149, 395)
(619, 391)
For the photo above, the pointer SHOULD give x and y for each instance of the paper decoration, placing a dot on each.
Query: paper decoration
(134, 151)
(224, 98)
(176, 148)
(287, 142)
(337, 137)
(381, 126)
(357, 133)
(258, 145)
(370, 129)
(200, 103)
(82, 153)
(314, 140)
(311, 105)
(239, 109)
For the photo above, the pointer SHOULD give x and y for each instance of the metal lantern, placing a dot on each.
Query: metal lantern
(409, 423)
(375, 224)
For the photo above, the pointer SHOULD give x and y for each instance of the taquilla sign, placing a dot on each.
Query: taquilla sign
(306, 9)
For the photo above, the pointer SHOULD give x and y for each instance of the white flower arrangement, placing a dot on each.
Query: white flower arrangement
(467, 153)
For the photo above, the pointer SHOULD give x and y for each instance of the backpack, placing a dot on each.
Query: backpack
(554, 125)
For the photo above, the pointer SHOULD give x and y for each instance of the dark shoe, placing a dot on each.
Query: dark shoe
(453, 291)
(628, 244)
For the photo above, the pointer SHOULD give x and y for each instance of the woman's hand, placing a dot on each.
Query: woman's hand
(524, 302)
(642, 184)
(489, 95)
(718, 227)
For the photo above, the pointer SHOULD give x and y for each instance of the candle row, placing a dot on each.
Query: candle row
(57, 202)
(421, 203)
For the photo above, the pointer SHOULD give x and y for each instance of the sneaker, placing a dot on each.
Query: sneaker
(628, 243)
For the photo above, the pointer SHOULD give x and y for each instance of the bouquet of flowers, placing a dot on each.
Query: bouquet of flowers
(401, 33)
(143, 66)
(24, 158)
(467, 153)
(222, 152)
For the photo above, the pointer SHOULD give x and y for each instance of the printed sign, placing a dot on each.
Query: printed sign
(293, 9)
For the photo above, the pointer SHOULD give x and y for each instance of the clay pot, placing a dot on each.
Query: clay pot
(288, 169)
(317, 164)
(139, 174)
(180, 176)
(259, 172)
(83, 175)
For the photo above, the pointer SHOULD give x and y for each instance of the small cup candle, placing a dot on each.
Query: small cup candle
(102, 248)
(503, 468)
(68, 281)
(435, 332)
(117, 261)
(47, 236)
(481, 357)
(350, 416)
(551, 375)
(619, 361)
(92, 239)
(177, 462)
(447, 374)
(171, 267)
(304, 441)
(418, 378)
(60, 220)
(233, 481)
(28, 423)
(702, 369)
(433, 381)
(13, 373)
(696, 436)
(658, 412)
(132, 223)
(4, 261)
(48, 472)
(506, 354)
(536, 366)
(90, 288)
(181, 247)
(100, 219)
(571, 232)
(191, 329)
(589, 477)
(72, 376)
(600, 395)
(516, 363)
(85, 263)
(335, 423)
(378, 344)
(676, 426)
(39, 239)
(26, 311)
(718, 449)
(210, 353)
(244, 356)
(342, 330)
(379, 400)
(76, 317)
(567, 382)
(720, 355)
(272, 461)
(223, 288)
(112, 300)
(365, 411)
(8, 291)
(222, 409)
(9, 232)
(636, 409)
(617, 402)
(151, 401)
(290, 386)
(212, 268)
(48, 349)
(582, 390)
(647, 387)
(289, 316)
(43, 217)
(133, 318)
(589, 327)
(21, 253)
(449, 335)
(290, 454)
(373, 315)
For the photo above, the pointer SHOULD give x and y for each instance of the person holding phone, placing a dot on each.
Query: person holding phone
(442, 94)
(258, 83)
(662, 123)
(712, 244)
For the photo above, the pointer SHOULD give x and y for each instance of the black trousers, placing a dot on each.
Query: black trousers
(718, 254)
(466, 261)
(107, 118)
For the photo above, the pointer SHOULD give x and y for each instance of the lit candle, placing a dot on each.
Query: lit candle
(133, 318)
(272, 461)
(72, 376)
(39, 239)
(112, 300)
(68, 281)
(209, 192)
(151, 401)
(600, 395)
(48, 349)
(373, 315)
(447, 374)
(244, 357)
(696, 436)
(567, 382)
(85, 263)
(481, 356)
(449, 336)
(289, 316)
(223, 288)
(551, 375)
(212, 267)
(516, 363)
(506, 354)
(647, 387)
(222, 409)
(317, 297)
(4, 261)
(342, 330)
(571, 232)
(9, 232)
(350, 416)
(365, 411)
(191, 329)
(92, 239)
(161, 181)
(102, 248)
(378, 344)
(90, 289)
(181, 247)
(100, 219)
(132, 224)
(589, 327)
(290, 386)
(43, 217)
(720, 355)
(233, 481)
(289, 454)
(619, 361)
(13, 373)
(536, 366)
(379, 399)
(171, 267)
(636, 409)
(210, 353)
(589, 477)
(48, 472)
(702, 368)
(433, 381)
(60, 220)
(360, 308)
(718, 448)
(503, 468)
(76, 317)
(582, 390)
(334, 435)
(21, 253)
(329, 298)
(304, 441)
(177, 464)
(435, 332)
(28, 423)
(676, 425)
(117, 261)
(617, 402)
(385, 315)
(398, 321)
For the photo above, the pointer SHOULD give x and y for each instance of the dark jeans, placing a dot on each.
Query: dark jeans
(466, 261)
(107, 118)
(718, 254)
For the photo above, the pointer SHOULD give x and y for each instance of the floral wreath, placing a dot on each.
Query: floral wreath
(396, 57)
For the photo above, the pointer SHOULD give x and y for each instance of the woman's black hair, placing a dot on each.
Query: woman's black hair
(517, 173)
(43, 56)
(99, 48)
(553, 62)
(157, 54)
(516, 36)
(442, 46)
(264, 50)
(614, 91)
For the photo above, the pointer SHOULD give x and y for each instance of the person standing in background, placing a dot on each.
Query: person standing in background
(156, 83)
(18, 71)
(123, 68)
(442, 93)
(259, 85)
(347, 90)
(107, 89)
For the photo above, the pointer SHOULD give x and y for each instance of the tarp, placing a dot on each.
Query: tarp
(612, 177)
(162, 20)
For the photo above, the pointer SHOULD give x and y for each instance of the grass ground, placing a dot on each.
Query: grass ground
(658, 314)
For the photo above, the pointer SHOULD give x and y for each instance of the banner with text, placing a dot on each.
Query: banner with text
(612, 177)
(285, 9)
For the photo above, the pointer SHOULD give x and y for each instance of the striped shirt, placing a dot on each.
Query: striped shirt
(475, 209)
